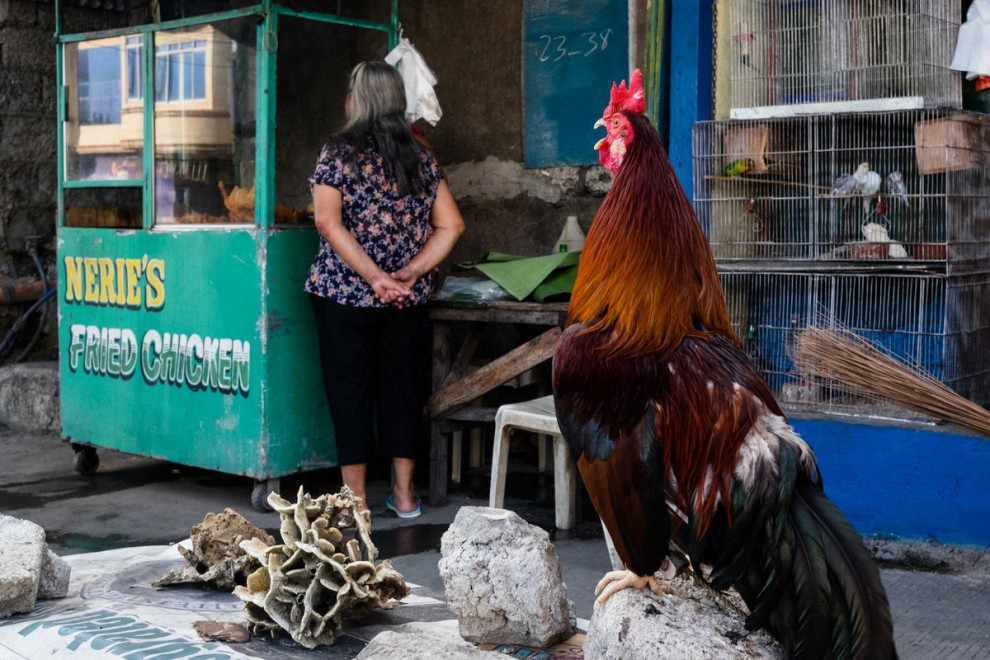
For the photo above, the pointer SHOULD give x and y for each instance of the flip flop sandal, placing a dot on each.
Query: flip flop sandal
(415, 513)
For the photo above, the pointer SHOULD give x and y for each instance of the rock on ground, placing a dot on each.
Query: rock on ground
(685, 623)
(392, 645)
(28, 569)
(29, 397)
(503, 580)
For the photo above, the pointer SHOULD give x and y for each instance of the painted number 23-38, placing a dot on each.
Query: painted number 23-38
(555, 47)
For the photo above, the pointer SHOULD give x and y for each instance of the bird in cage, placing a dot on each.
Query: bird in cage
(738, 167)
(845, 185)
(869, 184)
(896, 187)
(678, 439)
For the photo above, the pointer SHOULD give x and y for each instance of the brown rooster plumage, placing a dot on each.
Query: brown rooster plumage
(677, 435)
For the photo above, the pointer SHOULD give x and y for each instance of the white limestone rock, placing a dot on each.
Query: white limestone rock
(503, 580)
(687, 622)
(28, 569)
(393, 645)
(54, 579)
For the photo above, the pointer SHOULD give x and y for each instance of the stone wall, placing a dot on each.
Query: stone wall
(28, 153)
(27, 121)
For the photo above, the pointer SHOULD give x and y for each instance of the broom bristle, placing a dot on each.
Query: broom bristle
(857, 365)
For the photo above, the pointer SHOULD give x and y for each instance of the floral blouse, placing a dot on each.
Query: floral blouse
(390, 228)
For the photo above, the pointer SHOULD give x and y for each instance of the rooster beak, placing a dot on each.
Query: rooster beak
(599, 124)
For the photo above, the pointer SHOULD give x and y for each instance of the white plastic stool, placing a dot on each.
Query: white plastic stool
(539, 416)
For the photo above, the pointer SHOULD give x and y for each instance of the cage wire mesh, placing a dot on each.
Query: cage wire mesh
(906, 188)
(905, 269)
(787, 52)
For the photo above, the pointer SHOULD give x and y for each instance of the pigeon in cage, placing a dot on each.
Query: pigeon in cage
(845, 185)
(869, 184)
(896, 187)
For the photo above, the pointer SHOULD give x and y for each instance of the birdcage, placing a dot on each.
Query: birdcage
(908, 189)
(932, 323)
(842, 55)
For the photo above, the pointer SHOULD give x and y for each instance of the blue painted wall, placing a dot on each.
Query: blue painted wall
(907, 483)
(690, 94)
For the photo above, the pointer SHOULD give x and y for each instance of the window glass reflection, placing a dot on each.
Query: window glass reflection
(204, 82)
(103, 129)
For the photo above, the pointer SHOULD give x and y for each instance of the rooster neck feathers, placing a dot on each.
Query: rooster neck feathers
(647, 274)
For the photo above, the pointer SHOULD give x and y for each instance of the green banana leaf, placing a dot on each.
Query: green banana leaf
(524, 276)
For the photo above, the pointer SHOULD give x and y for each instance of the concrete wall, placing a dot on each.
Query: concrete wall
(475, 49)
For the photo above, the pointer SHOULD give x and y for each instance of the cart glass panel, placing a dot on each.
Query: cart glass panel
(205, 123)
(104, 129)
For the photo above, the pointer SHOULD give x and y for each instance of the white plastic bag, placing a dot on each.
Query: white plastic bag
(973, 46)
(421, 101)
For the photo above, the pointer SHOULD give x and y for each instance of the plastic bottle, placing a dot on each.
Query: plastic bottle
(571, 237)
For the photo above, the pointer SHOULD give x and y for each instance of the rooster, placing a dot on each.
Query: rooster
(677, 436)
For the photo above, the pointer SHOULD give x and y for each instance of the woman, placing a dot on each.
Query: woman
(386, 221)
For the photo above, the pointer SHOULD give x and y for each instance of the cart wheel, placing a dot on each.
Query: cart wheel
(259, 497)
(86, 460)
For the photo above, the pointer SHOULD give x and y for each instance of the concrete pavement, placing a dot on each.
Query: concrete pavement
(940, 595)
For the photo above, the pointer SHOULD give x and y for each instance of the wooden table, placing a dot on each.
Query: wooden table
(454, 387)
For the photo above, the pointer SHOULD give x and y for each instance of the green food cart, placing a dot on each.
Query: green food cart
(186, 135)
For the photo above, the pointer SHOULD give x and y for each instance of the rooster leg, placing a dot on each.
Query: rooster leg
(616, 581)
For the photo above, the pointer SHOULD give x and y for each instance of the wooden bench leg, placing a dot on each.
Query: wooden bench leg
(456, 447)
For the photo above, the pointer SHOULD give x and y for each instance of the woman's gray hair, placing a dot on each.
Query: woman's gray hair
(377, 92)
(377, 111)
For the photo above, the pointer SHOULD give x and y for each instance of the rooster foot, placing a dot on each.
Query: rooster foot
(616, 581)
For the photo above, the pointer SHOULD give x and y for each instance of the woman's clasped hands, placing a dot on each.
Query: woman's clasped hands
(395, 289)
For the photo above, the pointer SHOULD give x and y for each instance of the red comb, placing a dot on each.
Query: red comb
(632, 98)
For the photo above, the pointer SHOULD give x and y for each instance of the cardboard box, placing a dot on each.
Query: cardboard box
(943, 145)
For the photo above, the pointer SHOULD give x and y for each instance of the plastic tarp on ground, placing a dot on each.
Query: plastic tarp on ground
(112, 611)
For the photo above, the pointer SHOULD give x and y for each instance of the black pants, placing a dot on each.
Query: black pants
(371, 359)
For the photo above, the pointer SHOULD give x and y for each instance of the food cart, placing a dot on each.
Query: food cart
(186, 135)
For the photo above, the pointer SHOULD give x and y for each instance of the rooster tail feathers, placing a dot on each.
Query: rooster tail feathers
(753, 520)
(827, 574)
(801, 566)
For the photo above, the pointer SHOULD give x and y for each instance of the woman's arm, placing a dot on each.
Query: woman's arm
(327, 209)
(448, 225)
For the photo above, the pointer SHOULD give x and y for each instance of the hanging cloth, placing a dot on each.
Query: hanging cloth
(973, 46)
(421, 101)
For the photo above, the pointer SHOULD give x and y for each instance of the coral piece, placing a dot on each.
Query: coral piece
(216, 557)
(309, 582)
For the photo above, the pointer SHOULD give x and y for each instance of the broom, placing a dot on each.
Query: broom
(856, 365)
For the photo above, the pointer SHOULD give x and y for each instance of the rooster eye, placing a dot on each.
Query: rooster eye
(615, 122)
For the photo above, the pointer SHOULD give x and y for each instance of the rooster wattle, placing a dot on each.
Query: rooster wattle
(676, 434)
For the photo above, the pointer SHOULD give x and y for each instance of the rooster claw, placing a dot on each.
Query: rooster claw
(616, 581)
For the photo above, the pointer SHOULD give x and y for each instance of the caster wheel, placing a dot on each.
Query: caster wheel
(86, 460)
(259, 497)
